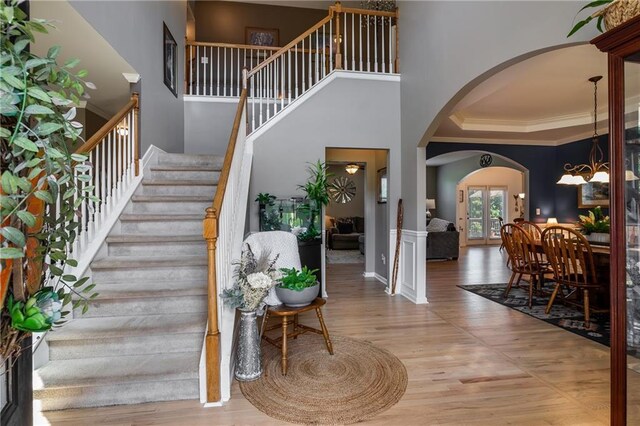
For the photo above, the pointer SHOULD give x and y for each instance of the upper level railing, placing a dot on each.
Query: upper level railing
(113, 156)
(351, 39)
(215, 69)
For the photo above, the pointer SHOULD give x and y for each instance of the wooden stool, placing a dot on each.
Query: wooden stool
(286, 312)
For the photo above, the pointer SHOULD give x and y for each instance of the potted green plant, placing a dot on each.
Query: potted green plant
(614, 13)
(297, 288)
(596, 226)
(316, 196)
(38, 166)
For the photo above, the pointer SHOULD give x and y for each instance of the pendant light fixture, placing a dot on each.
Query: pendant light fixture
(352, 168)
(597, 170)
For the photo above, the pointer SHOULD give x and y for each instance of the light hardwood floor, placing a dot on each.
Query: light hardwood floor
(469, 360)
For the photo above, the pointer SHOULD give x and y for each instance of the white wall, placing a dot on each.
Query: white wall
(134, 30)
(207, 124)
(512, 180)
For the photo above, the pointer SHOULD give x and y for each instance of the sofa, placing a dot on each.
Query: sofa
(345, 233)
(443, 240)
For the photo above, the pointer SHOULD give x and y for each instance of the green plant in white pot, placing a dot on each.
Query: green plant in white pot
(298, 288)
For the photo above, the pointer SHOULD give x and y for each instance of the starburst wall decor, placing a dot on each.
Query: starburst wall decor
(342, 190)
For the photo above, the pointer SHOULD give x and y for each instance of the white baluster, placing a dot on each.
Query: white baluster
(197, 70)
(103, 181)
(345, 63)
(303, 76)
(218, 72)
(295, 69)
(310, 55)
(190, 69)
(239, 73)
(353, 40)
(282, 82)
(97, 183)
(382, 43)
(360, 40)
(259, 75)
(210, 70)
(253, 103)
(317, 58)
(109, 170)
(289, 74)
(390, 47)
(330, 45)
(368, 44)
(375, 44)
(224, 73)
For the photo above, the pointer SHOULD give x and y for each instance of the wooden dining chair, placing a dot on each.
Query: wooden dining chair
(524, 259)
(534, 231)
(571, 260)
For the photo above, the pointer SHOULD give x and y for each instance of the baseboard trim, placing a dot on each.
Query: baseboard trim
(369, 274)
(380, 278)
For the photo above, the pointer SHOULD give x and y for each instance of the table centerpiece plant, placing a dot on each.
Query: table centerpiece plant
(38, 136)
(297, 288)
(595, 225)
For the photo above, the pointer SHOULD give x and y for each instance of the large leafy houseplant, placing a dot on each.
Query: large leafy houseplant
(42, 183)
(589, 18)
(317, 196)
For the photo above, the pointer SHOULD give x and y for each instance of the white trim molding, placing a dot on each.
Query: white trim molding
(411, 265)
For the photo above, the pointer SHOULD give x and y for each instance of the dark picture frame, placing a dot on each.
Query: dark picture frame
(593, 194)
(382, 184)
(255, 36)
(170, 60)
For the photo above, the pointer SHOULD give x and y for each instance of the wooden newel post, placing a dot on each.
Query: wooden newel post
(212, 340)
(136, 123)
(338, 9)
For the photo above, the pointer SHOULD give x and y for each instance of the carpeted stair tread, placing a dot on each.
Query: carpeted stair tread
(172, 182)
(129, 326)
(148, 262)
(129, 292)
(185, 168)
(172, 198)
(159, 217)
(128, 369)
(137, 238)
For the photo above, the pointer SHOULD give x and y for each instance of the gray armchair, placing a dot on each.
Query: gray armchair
(443, 244)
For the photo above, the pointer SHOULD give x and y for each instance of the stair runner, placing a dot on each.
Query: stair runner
(141, 340)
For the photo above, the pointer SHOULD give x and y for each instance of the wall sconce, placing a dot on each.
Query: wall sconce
(519, 199)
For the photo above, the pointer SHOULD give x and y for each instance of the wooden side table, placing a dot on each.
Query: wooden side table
(287, 314)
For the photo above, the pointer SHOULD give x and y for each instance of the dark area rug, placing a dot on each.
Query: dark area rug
(566, 317)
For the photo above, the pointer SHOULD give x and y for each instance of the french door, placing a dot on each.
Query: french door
(486, 206)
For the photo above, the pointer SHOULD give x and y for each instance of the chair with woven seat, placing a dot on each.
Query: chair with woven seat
(572, 262)
(524, 259)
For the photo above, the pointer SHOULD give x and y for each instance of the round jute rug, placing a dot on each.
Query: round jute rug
(356, 383)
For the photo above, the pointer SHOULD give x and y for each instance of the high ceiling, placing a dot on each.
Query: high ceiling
(544, 100)
(80, 40)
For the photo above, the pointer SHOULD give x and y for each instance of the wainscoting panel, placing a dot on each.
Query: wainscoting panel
(412, 265)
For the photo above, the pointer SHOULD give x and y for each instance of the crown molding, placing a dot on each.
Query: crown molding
(131, 77)
(98, 111)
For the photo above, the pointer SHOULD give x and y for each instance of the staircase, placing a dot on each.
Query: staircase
(141, 340)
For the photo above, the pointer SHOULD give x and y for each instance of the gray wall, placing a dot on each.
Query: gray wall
(356, 206)
(445, 50)
(432, 187)
(448, 176)
(207, 126)
(134, 30)
(326, 120)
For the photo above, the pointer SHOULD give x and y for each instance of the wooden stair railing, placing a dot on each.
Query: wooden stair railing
(347, 39)
(222, 239)
(113, 152)
(215, 69)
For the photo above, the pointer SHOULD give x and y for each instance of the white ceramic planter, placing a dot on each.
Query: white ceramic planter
(298, 299)
(599, 237)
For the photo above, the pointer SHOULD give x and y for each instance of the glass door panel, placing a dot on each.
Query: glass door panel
(632, 204)
(497, 204)
(476, 207)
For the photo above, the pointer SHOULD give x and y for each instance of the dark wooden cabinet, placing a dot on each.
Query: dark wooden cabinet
(622, 45)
